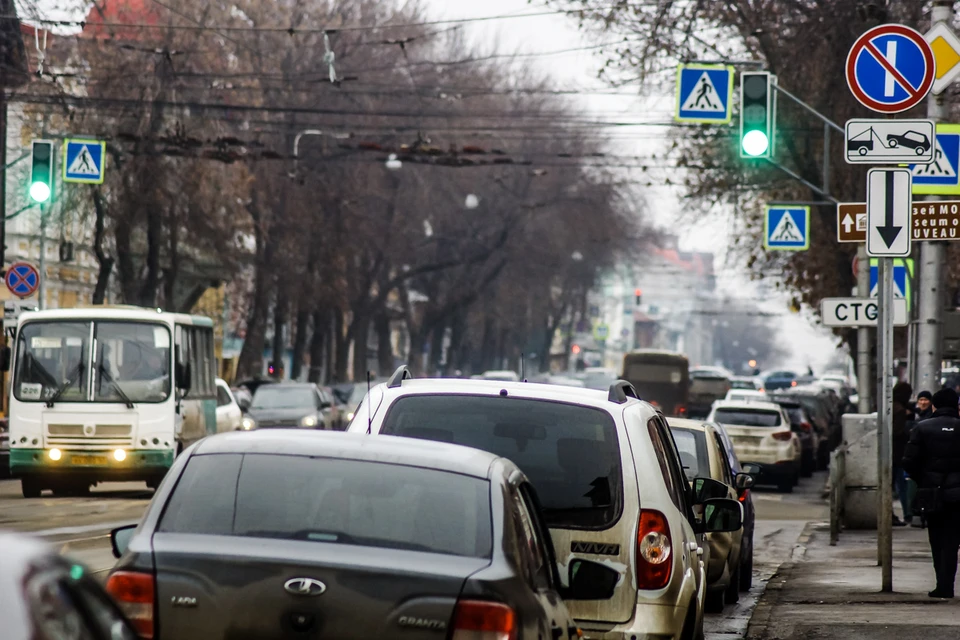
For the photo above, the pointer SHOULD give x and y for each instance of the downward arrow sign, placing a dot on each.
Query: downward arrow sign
(889, 232)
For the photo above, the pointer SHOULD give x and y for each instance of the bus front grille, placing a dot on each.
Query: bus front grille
(99, 435)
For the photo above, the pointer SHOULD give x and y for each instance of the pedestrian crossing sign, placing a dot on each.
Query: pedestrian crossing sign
(942, 176)
(704, 93)
(83, 161)
(786, 228)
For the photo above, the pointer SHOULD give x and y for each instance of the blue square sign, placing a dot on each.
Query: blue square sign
(83, 161)
(704, 93)
(786, 228)
(942, 176)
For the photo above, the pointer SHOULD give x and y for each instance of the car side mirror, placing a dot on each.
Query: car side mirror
(707, 488)
(743, 481)
(120, 539)
(590, 581)
(722, 515)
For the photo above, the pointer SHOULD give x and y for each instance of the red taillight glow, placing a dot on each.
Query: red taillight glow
(783, 436)
(480, 620)
(654, 551)
(793, 383)
(134, 592)
(805, 426)
(680, 410)
(743, 496)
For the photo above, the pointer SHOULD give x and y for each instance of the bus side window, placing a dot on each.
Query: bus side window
(184, 352)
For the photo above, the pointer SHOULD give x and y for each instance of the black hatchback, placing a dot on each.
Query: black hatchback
(286, 534)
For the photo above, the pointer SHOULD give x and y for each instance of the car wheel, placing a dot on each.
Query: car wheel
(746, 572)
(732, 595)
(808, 466)
(714, 601)
(893, 143)
(786, 486)
(920, 151)
(862, 151)
(30, 487)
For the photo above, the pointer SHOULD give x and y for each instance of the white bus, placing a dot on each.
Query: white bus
(92, 398)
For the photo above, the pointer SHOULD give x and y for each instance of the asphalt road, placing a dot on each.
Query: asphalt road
(80, 528)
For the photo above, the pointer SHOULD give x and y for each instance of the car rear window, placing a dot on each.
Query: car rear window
(693, 452)
(335, 501)
(570, 453)
(747, 417)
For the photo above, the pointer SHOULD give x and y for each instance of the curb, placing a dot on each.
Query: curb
(770, 598)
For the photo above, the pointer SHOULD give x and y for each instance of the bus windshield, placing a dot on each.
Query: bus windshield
(54, 359)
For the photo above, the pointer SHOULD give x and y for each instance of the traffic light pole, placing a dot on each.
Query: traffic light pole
(930, 281)
(42, 289)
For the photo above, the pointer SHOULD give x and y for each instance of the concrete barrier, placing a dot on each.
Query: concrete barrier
(860, 471)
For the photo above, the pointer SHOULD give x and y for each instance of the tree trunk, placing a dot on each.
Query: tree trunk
(361, 337)
(126, 270)
(342, 347)
(279, 339)
(173, 271)
(300, 342)
(384, 347)
(455, 354)
(317, 342)
(104, 261)
(436, 348)
(250, 362)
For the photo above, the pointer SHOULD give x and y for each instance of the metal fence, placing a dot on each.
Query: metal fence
(838, 469)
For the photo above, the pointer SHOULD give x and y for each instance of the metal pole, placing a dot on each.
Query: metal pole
(885, 425)
(930, 269)
(42, 291)
(826, 158)
(864, 336)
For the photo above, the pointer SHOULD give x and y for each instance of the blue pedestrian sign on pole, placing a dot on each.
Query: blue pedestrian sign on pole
(704, 93)
(902, 276)
(890, 68)
(942, 176)
(83, 161)
(786, 228)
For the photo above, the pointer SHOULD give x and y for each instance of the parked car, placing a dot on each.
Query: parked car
(761, 434)
(610, 494)
(707, 385)
(44, 596)
(703, 455)
(746, 382)
(401, 538)
(747, 395)
(744, 495)
(802, 425)
(824, 413)
(289, 404)
(338, 408)
(229, 415)
(779, 380)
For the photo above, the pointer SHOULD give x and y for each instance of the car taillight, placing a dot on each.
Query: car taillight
(793, 383)
(805, 426)
(654, 551)
(782, 435)
(679, 410)
(134, 593)
(480, 620)
(744, 495)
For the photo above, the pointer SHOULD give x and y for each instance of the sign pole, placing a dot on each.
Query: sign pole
(885, 424)
(42, 290)
(930, 270)
(864, 336)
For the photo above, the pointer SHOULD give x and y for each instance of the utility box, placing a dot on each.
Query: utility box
(860, 478)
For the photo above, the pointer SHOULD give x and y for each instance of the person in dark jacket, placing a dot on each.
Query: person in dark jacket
(924, 405)
(902, 418)
(932, 458)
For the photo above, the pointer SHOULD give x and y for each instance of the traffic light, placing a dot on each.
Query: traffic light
(638, 294)
(41, 170)
(757, 114)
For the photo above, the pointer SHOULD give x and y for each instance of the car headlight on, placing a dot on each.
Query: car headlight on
(350, 416)
(308, 421)
(248, 423)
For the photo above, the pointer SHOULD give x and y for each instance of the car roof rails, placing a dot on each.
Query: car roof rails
(620, 391)
(402, 373)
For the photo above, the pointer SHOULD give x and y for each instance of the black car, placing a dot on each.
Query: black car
(911, 140)
(802, 425)
(284, 534)
(45, 596)
(289, 405)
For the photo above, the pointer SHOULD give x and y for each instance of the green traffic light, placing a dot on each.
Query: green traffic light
(40, 191)
(755, 143)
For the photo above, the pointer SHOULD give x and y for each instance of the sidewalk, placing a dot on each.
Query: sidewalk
(827, 593)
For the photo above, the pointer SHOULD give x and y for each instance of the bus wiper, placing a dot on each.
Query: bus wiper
(72, 380)
(106, 376)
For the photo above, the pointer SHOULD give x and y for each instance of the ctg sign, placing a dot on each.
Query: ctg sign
(859, 312)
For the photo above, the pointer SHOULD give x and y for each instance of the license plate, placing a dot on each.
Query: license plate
(88, 459)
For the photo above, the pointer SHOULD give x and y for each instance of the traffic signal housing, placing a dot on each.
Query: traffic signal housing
(41, 170)
(638, 296)
(757, 114)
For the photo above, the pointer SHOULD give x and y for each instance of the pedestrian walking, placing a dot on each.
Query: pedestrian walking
(932, 458)
(924, 405)
(902, 420)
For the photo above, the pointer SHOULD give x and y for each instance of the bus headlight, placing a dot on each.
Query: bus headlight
(248, 423)
(55, 454)
(308, 421)
(119, 455)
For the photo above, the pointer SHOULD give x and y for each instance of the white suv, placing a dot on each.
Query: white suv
(608, 476)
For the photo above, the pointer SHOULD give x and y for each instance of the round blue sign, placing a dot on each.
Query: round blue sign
(890, 68)
(22, 279)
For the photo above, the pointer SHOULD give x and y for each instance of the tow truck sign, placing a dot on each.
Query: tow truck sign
(859, 312)
(890, 141)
